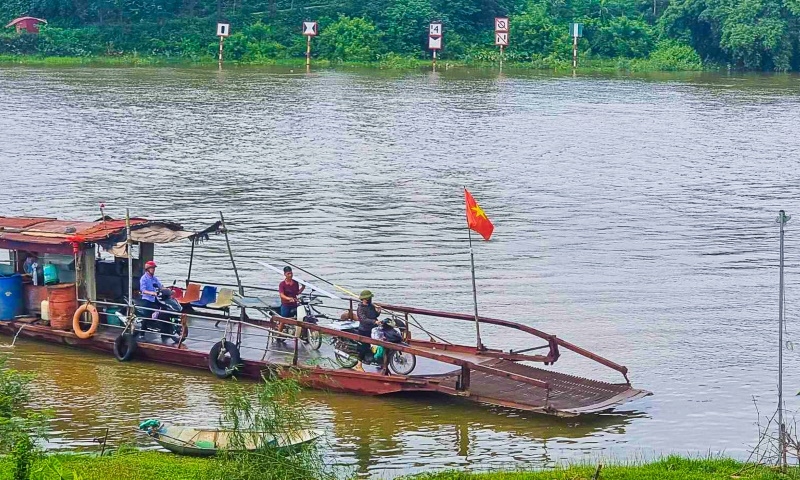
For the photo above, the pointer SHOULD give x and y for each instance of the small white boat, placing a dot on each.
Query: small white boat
(207, 441)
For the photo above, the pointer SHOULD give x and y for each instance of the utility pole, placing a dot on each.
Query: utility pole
(782, 220)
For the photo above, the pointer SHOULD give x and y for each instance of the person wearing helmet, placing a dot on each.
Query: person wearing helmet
(367, 315)
(149, 286)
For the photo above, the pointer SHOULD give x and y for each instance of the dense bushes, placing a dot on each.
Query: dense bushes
(746, 34)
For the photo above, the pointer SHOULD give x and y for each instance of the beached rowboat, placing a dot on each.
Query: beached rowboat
(207, 441)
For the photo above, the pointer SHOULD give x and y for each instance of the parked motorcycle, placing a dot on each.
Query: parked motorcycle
(168, 320)
(345, 350)
(306, 310)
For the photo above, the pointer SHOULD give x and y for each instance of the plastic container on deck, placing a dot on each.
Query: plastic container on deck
(111, 317)
(12, 302)
(45, 310)
(50, 274)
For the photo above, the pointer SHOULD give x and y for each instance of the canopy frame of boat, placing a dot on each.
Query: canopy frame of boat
(480, 374)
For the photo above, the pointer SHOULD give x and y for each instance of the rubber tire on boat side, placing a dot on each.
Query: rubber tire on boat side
(125, 347)
(213, 359)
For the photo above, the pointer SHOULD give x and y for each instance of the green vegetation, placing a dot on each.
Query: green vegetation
(131, 465)
(127, 465)
(758, 35)
(271, 409)
(20, 427)
(669, 468)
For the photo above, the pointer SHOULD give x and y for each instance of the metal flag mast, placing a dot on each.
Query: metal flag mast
(474, 287)
(474, 291)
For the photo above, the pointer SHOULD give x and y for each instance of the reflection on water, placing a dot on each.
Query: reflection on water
(634, 216)
(381, 436)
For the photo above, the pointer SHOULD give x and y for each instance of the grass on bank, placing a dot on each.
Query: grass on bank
(668, 468)
(138, 465)
(388, 62)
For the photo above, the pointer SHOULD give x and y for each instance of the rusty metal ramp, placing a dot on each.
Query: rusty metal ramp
(565, 395)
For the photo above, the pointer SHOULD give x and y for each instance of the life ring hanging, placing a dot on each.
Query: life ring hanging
(76, 321)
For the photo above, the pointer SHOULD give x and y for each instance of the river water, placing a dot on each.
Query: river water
(635, 216)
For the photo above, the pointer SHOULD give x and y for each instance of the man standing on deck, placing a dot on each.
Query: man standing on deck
(149, 286)
(289, 289)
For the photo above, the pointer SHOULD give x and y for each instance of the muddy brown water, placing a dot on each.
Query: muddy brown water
(634, 216)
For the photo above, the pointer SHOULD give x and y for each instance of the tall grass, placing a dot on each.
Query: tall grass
(264, 416)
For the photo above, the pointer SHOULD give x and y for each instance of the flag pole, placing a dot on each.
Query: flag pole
(474, 290)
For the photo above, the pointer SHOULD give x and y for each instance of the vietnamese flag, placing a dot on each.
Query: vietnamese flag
(476, 217)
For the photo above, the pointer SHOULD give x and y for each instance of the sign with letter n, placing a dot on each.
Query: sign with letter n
(501, 38)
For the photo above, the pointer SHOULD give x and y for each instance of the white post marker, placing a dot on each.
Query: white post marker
(435, 39)
(501, 35)
(223, 30)
(309, 30)
(575, 31)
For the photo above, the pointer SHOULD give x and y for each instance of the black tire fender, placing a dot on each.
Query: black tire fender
(125, 346)
(214, 361)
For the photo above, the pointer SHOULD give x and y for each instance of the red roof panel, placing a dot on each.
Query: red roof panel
(21, 222)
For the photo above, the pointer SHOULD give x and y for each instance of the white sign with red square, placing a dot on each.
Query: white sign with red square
(501, 38)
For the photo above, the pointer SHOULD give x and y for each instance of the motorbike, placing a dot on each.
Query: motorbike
(345, 350)
(166, 322)
(308, 313)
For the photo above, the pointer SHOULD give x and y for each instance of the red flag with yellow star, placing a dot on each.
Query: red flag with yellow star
(476, 217)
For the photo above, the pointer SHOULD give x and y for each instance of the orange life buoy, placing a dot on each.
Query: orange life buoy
(76, 321)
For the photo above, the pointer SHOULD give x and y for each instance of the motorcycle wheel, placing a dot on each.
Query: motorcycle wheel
(344, 360)
(402, 363)
(286, 330)
(314, 339)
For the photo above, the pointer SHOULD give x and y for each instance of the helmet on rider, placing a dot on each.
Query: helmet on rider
(365, 295)
(149, 264)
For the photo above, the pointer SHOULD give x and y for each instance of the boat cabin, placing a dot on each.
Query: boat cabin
(91, 257)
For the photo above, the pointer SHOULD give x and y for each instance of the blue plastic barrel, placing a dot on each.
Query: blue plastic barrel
(12, 302)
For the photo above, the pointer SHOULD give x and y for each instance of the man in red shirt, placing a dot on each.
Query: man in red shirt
(289, 289)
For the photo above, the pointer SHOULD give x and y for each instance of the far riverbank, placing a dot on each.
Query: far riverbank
(386, 62)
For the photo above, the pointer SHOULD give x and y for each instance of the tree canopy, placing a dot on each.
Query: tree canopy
(740, 34)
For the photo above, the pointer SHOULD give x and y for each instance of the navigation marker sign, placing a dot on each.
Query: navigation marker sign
(223, 30)
(435, 39)
(310, 29)
(575, 31)
(501, 35)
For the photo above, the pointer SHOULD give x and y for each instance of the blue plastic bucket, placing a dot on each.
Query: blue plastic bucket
(12, 303)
